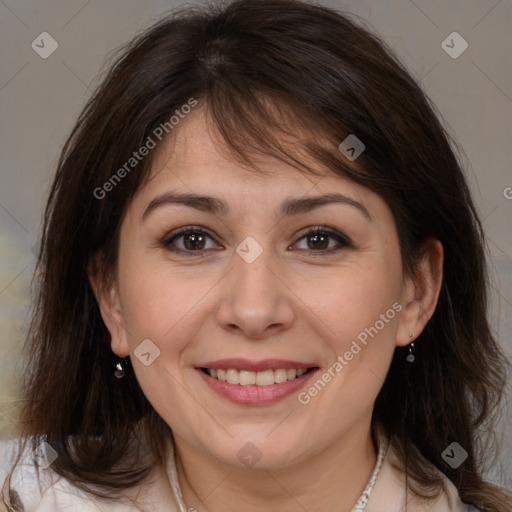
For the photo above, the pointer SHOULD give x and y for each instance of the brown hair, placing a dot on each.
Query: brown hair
(252, 65)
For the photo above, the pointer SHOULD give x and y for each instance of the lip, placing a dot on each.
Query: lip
(256, 395)
(256, 366)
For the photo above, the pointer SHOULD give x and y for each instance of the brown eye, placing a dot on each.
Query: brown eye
(188, 240)
(324, 240)
(194, 241)
(318, 241)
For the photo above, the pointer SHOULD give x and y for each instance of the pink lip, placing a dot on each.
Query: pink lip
(256, 366)
(256, 395)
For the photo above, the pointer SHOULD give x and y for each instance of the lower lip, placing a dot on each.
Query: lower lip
(256, 395)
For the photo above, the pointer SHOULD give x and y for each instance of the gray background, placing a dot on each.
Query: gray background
(41, 98)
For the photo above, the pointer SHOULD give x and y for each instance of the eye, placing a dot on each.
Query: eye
(187, 240)
(191, 239)
(323, 240)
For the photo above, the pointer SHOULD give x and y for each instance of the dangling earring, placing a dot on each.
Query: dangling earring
(121, 365)
(410, 355)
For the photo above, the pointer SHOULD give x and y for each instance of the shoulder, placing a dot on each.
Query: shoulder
(38, 489)
(389, 493)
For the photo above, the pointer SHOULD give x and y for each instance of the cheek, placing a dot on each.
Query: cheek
(158, 308)
(167, 306)
(361, 311)
(352, 300)
(153, 300)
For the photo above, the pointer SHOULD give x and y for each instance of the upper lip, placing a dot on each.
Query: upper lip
(256, 366)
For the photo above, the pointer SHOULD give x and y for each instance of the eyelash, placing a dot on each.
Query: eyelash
(344, 242)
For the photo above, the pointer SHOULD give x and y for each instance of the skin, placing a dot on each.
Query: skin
(290, 303)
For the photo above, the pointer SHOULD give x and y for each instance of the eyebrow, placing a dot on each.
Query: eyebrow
(294, 206)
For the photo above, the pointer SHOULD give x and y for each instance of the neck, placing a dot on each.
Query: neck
(331, 480)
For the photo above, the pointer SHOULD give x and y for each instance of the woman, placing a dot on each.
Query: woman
(261, 284)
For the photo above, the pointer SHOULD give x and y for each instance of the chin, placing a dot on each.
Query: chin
(258, 451)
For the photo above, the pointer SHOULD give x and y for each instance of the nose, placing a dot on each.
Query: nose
(255, 300)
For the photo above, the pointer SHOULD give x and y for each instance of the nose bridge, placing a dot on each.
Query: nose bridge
(252, 270)
(253, 298)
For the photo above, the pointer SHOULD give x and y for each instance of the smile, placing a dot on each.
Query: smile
(246, 382)
(263, 378)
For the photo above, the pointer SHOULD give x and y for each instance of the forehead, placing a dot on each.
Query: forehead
(196, 162)
(197, 159)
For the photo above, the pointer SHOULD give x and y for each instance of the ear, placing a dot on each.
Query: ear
(420, 293)
(107, 297)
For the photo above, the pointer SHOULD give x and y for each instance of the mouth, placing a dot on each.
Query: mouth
(256, 383)
(263, 378)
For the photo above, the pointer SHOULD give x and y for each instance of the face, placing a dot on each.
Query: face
(267, 287)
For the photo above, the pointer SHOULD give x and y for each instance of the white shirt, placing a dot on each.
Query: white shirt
(385, 491)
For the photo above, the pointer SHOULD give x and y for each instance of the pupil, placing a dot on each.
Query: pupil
(319, 241)
(193, 241)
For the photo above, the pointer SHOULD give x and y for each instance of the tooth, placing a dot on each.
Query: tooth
(232, 376)
(291, 374)
(280, 376)
(265, 378)
(247, 378)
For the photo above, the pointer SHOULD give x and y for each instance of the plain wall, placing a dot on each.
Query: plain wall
(41, 98)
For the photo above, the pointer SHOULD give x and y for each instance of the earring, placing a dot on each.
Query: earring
(410, 355)
(121, 366)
